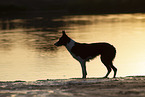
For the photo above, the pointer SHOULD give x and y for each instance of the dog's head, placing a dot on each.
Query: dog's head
(63, 40)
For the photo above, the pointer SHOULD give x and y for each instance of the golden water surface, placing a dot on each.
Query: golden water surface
(27, 51)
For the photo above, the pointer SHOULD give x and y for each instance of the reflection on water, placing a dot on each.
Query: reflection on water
(27, 51)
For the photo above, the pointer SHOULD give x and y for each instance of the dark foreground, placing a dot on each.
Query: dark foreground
(133, 86)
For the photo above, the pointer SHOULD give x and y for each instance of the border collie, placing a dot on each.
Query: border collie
(84, 52)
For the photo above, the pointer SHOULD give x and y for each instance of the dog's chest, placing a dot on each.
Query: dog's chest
(69, 47)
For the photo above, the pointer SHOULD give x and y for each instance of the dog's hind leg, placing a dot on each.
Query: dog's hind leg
(107, 64)
(114, 69)
(109, 70)
(84, 72)
(110, 66)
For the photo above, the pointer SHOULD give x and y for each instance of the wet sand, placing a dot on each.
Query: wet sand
(131, 86)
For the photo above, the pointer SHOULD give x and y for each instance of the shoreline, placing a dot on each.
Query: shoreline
(130, 86)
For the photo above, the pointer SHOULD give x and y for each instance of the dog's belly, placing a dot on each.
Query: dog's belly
(83, 57)
(77, 57)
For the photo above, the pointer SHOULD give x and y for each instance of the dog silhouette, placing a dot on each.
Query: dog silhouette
(83, 52)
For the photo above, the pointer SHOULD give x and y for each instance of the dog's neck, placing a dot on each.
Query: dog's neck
(70, 45)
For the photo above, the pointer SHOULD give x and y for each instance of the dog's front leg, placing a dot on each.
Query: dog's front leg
(84, 72)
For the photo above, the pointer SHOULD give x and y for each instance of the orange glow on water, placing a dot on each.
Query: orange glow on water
(23, 55)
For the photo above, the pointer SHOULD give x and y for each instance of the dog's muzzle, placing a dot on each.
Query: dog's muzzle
(56, 44)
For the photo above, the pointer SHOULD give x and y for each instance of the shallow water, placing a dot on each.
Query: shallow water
(27, 51)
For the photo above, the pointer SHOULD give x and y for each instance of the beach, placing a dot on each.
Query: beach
(130, 86)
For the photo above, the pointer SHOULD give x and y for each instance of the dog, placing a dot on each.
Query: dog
(83, 52)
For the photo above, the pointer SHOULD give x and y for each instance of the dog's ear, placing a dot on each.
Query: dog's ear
(63, 32)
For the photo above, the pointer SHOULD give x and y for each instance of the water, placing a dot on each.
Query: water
(27, 51)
